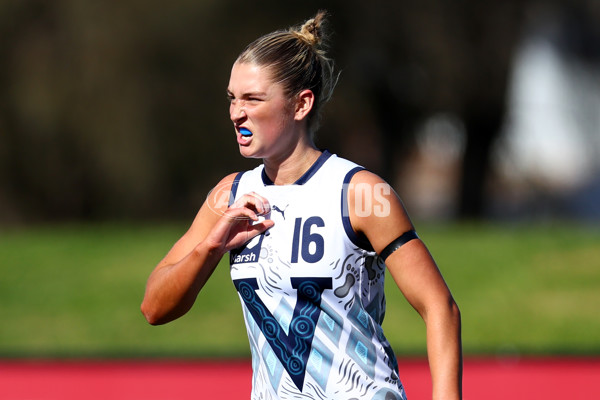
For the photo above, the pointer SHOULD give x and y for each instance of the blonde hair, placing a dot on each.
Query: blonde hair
(296, 58)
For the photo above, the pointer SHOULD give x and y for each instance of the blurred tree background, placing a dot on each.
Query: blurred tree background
(117, 110)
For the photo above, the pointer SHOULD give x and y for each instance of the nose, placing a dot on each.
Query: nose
(236, 111)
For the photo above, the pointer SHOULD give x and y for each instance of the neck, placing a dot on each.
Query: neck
(288, 169)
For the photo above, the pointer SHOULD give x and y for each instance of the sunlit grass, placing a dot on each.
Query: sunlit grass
(76, 290)
(520, 289)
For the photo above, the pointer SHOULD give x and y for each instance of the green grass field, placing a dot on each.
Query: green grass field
(75, 290)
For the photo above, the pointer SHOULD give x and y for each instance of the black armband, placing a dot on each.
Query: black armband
(397, 243)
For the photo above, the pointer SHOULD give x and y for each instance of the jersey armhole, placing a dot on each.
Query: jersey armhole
(358, 240)
(234, 188)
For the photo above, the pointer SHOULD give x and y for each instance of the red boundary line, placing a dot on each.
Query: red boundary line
(487, 379)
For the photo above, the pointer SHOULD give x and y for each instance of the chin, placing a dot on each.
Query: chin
(247, 153)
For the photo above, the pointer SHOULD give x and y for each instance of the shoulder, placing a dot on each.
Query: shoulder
(375, 209)
(335, 161)
(228, 180)
(365, 176)
(218, 198)
(337, 167)
(365, 186)
(226, 183)
(370, 198)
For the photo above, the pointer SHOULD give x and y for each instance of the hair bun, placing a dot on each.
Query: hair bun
(311, 30)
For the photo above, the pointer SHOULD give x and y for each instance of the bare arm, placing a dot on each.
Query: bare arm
(418, 277)
(174, 284)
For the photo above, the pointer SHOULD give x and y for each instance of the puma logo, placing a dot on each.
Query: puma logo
(279, 210)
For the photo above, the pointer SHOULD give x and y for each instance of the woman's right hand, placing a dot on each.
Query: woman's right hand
(240, 223)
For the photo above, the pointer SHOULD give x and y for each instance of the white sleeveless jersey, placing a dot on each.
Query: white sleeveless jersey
(312, 293)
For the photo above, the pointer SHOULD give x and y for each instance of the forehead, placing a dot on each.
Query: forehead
(249, 77)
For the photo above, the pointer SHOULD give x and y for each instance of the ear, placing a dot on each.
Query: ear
(304, 104)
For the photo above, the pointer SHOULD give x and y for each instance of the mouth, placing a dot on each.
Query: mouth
(244, 136)
(245, 132)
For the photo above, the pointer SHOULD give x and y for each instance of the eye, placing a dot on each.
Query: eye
(230, 96)
(254, 97)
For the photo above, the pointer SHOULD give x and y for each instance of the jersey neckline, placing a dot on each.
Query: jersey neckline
(306, 176)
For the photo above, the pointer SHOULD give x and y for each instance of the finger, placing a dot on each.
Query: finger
(255, 202)
(240, 214)
(262, 204)
(259, 227)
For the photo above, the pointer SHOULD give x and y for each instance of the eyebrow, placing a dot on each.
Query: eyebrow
(248, 94)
